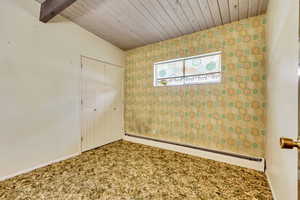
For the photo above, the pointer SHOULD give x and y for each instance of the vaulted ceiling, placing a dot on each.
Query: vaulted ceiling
(133, 23)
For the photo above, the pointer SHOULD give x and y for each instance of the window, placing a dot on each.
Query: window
(191, 70)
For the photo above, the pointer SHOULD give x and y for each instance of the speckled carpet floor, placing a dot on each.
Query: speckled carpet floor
(124, 170)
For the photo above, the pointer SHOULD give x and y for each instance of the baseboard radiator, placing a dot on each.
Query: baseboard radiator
(227, 157)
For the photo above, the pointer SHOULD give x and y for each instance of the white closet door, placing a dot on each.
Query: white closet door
(100, 89)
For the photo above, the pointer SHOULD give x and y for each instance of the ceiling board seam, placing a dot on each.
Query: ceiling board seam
(260, 6)
(165, 18)
(120, 21)
(76, 10)
(155, 19)
(264, 6)
(213, 18)
(187, 18)
(221, 17)
(256, 9)
(234, 10)
(158, 17)
(154, 26)
(229, 11)
(79, 9)
(198, 22)
(243, 9)
(101, 35)
(231, 17)
(150, 31)
(238, 9)
(135, 35)
(203, 24)
(250, 13)
(169, 17)
(174, 10)
(107, 36)
(248, 8)
(206, 22)
(86, 5)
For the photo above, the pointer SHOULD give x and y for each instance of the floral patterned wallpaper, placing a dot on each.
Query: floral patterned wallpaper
(228, 116)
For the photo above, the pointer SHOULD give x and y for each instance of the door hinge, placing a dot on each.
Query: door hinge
(81, 138)
(81, 101)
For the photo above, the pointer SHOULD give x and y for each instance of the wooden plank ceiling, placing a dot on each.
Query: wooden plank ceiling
(133, 23)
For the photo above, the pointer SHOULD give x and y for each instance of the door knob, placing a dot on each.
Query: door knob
(287, 143)
(95, 109)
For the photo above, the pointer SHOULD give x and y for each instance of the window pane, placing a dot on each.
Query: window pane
(167, 70)
(200, 69)
(203, 78)
(203, 65)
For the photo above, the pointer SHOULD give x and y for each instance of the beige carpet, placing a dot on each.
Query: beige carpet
(124, 170)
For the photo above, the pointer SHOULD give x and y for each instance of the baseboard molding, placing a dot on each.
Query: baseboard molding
(251, 164)
(38, 166)
(270, 185)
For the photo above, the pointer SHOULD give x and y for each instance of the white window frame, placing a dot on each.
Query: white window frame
(184, 76)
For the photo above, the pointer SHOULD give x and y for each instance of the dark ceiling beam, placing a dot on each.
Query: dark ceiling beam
(51, 8)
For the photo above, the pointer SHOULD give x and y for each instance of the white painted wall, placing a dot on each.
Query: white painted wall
(39, 85)
(282, 92)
